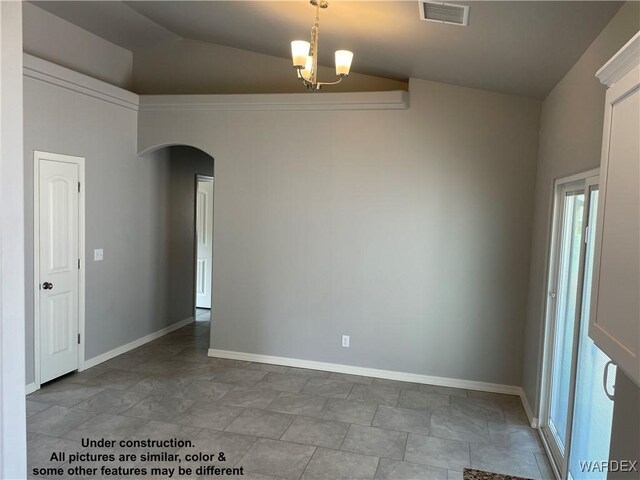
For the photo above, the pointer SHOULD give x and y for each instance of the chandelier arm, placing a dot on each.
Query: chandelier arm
(305, 81)
(330, 83)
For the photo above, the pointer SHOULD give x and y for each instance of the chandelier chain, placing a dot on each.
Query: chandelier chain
(315, 37)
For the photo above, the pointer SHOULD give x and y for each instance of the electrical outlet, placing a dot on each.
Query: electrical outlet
(98, 255)
(345, 341)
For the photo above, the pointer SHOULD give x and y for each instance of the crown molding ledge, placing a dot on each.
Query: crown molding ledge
(621, 63)
(54, 74)
(392, 100)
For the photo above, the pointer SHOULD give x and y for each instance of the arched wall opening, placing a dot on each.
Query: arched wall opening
(186, 177)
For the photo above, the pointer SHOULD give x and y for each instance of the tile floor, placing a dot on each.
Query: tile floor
(279, 422)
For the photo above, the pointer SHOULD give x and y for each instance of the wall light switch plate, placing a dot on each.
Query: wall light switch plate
(98, 255)
(345, 341)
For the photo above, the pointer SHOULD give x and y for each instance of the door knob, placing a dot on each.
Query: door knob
(47, 286)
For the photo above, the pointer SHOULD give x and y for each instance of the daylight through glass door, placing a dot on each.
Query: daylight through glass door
(577, 413)
(565, 296)
(593, 409)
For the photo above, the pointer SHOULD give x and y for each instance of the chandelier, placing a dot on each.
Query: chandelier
(305, 55)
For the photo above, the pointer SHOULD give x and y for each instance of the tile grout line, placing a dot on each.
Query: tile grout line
(345, 437)
(308, 462)
(374, 415)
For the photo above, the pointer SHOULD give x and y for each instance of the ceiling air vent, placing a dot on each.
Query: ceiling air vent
(448, 13)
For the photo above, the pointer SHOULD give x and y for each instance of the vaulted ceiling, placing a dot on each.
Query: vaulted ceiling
(518, 47)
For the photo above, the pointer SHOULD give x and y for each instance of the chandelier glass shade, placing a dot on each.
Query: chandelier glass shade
(305, 55)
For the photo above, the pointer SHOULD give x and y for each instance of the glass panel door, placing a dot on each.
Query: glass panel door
(565, 296)
(577, 413)
(593, 409)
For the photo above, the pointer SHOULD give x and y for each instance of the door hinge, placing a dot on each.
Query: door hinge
(78, 187)
(586, 234)
(78, 264)
(78, 339)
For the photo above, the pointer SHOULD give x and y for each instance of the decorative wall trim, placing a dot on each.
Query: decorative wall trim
(32, 387)
(92, 362)
(533, 421)
(368, 372)
(48, 72)
(621, 63)
(393, 100)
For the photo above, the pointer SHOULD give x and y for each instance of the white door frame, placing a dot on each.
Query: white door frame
(79, 161)
(13, 450)
(195, 241)
(552, 259)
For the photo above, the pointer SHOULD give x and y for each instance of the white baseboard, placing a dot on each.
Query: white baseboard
(528, 410)
(92, 362)
(368, 372)
(30, 388)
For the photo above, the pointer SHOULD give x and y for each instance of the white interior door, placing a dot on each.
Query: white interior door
(58, 274)
(204, 241)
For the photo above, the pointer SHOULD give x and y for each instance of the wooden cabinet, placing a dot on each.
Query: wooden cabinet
(615, 298)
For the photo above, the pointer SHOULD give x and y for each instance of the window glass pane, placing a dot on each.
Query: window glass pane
(593, 410)
(566, 296)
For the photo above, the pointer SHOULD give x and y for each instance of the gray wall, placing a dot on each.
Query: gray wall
(140, 210)
(570, 142)
(189, 66)
(409, 232)
(126, 197)
(185, 164)
(54, 39)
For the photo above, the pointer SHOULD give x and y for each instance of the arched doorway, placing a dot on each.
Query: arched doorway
(188, 177)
